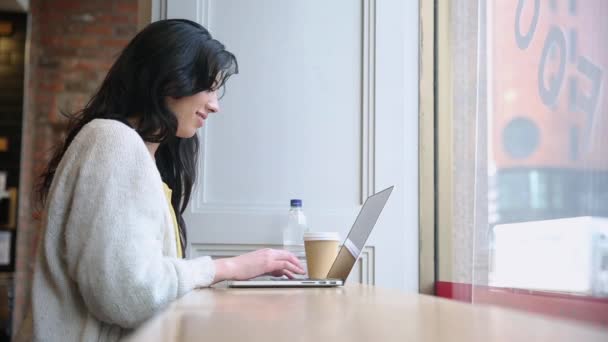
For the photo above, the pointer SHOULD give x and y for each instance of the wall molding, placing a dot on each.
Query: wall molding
(426, 154)
(159, 10)
(368, 103)
(363, 272)
(201, 202)
(163, 9)
(202, 13)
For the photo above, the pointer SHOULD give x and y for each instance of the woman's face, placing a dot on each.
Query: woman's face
(192, 111)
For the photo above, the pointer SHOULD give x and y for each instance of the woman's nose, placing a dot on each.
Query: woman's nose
(213, 106)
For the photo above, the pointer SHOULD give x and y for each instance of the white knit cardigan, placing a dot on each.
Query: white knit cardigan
(107, 260)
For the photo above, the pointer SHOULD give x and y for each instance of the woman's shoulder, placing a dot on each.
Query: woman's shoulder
(108, 134)
(107, 130)
(107, 139)
(104, 148)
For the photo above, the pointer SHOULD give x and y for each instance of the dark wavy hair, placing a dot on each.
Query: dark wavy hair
(168, 58)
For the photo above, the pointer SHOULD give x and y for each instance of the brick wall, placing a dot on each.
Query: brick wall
(73, 44)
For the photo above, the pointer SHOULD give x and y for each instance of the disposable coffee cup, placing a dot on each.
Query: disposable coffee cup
(321, 251)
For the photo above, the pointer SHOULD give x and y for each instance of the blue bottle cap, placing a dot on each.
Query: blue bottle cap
(296, 203)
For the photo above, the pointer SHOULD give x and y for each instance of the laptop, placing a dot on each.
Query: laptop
(347, 256)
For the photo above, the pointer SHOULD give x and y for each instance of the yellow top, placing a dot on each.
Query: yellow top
(168, 193)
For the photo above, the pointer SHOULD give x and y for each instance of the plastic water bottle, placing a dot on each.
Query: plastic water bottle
(296, 227)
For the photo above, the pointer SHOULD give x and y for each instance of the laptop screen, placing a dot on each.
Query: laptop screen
(360, 231)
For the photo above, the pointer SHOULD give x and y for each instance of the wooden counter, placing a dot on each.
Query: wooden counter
(353, 313)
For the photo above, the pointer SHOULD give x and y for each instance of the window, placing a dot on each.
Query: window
(522, 154)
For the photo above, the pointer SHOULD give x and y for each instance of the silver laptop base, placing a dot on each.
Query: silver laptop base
(286, 283)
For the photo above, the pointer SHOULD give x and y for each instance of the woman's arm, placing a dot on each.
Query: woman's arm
(113, 231)
(263, 261)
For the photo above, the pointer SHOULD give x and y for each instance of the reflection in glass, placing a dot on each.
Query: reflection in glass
(547, 117)
(530, 112)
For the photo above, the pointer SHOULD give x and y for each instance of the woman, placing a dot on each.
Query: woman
(114, 193)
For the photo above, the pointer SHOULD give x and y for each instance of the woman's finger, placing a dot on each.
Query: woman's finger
(287, 265)
(289, 274)
(288, 256)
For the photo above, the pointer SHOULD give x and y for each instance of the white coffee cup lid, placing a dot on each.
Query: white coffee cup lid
(329, 236)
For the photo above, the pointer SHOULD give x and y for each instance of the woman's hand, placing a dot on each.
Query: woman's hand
(274, 262)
